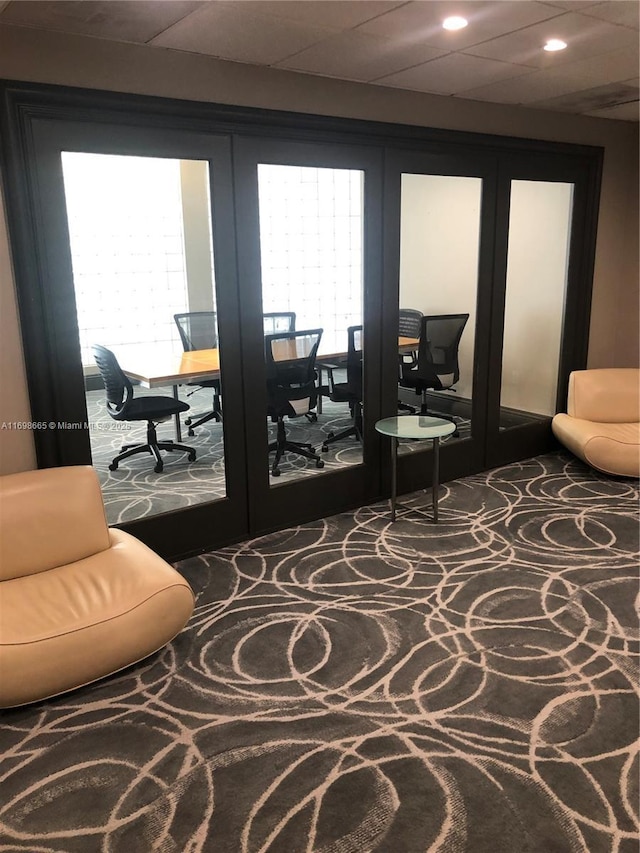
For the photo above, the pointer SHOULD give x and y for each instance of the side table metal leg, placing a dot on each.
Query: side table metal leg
(394, 460)
(436, 476)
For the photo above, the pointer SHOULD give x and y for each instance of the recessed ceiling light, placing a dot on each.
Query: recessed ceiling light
(454, 23)
(555, 44)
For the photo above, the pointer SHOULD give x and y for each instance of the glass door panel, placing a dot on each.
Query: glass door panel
(311, 258)
(540, 216)
(439, 255)
(142, 252)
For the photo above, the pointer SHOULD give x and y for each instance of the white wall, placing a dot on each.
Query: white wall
(196, 224)
(439, 248)
(539, 231)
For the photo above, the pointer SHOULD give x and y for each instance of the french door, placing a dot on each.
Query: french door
(124, 212)
(505, 239)
(545, 225)
(310, 243)
(133, 226)
(440, 231)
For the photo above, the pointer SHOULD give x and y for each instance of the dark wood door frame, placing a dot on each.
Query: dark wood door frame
(29, 111)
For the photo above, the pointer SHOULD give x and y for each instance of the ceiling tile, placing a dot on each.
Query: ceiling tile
(572, 5)
(624, 12)
(354, 55)
(617, 66)
(110, 19)
(452, 74)
(228, 31)
(520, 90)
(624, 112)
(596, 98)
(549, 83)
(586, 37)
(341, 15)
(396, 43)
(610, 67)
(421, 22)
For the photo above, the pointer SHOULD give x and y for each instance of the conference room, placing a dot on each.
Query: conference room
(146, 224)
(141, 237)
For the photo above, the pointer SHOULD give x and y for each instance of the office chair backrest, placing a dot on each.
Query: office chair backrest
(354, 361)
(409, 322)
(117, 385)
(290, 359)
(198, 329)
(279, 321)
(438, 351)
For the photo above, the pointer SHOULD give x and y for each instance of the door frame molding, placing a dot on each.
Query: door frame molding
(24, 106)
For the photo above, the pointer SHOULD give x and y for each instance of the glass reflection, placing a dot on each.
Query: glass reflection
(439, 249)
(142, 252)
(311, 225)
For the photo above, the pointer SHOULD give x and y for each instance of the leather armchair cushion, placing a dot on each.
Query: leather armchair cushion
(48, 518)
(73, 624)
(611, 448)
(78, 600)
(605, 395)
(602, 423)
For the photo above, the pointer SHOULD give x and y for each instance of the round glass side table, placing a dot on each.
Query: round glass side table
(416, 427)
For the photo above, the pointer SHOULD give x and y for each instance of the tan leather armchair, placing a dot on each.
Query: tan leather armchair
(602, 422)
(78, 600)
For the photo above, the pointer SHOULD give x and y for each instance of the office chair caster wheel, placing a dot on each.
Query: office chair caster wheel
(192, 457)
(319, 463)
(113, 466)
(325, 448)
(275, 472)
(190, 432)
(187, 422)
(158, 467)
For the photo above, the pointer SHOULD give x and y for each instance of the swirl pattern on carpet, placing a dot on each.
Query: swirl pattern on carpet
(352, 685)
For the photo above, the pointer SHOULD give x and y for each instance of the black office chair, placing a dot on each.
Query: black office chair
(409, 320)
(350, 391)
(437, 364)
(279, 321)
(284, 321)
(123, 406)
(199, 330)
(291, 390)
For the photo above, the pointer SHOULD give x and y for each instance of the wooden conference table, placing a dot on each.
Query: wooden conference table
(155, 368)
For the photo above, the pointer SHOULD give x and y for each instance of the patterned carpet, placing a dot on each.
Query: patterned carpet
(134, 490)
(351, 685)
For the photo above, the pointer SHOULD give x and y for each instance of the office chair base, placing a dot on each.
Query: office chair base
(425, 411)
(405, 407)
(349, 432)
(282, 445)
(152, 446)
(154, 450)
(216, 415)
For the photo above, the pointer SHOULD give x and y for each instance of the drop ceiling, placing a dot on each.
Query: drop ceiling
(497, 58)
